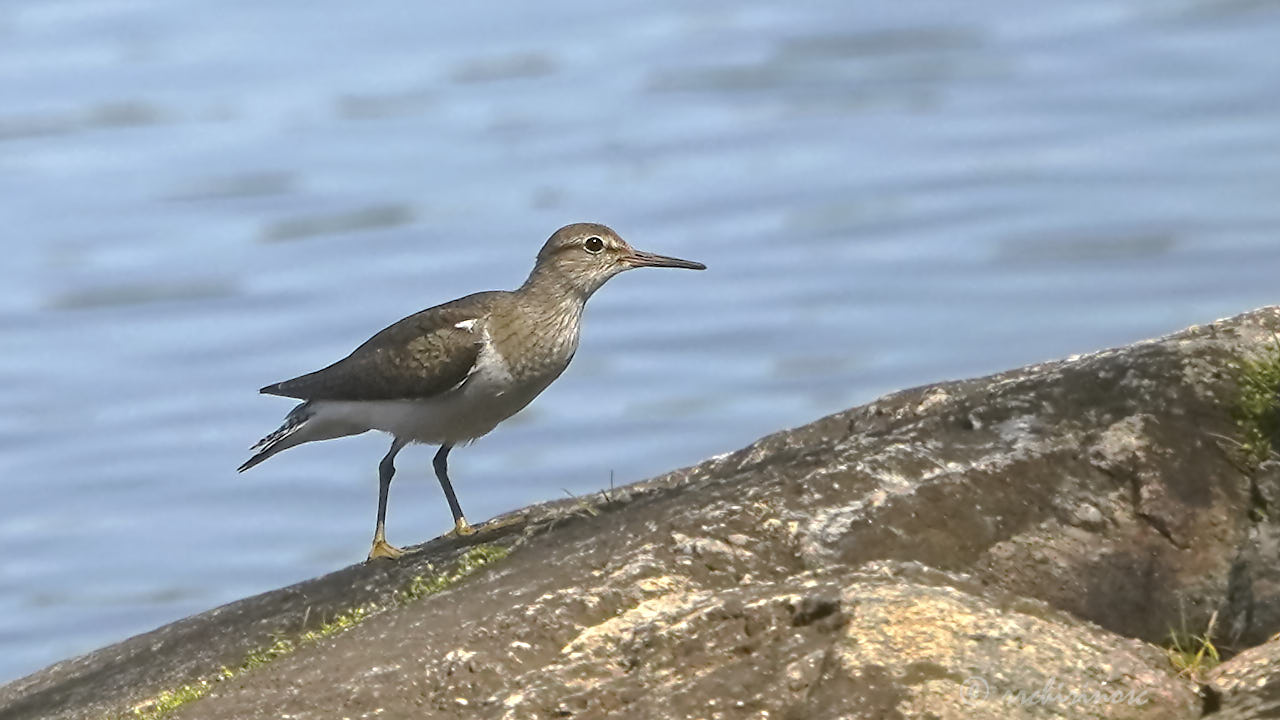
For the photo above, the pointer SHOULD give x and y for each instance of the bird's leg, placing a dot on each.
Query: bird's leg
(441, 464)
(386, 469)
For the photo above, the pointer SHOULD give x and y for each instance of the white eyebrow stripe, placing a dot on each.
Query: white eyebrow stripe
(465, 325)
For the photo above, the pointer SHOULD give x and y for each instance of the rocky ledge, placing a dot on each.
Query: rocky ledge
(1076, 539)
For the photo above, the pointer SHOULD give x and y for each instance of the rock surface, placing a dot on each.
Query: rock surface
(1248, 687)
(1016, 546)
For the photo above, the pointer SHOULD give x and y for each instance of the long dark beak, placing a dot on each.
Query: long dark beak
(639, 258)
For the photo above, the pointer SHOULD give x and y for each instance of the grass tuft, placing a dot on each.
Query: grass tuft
(1194, 655)
(162, 705)
(1257, 408)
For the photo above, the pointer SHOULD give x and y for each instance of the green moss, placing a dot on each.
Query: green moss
(471, 561)
(170, 700)
(421, 586)
(286, 646)
(1257, 409)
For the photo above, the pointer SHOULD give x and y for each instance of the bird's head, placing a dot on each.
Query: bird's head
(583, 256)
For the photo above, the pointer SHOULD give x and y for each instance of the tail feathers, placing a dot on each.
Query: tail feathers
(281, 439)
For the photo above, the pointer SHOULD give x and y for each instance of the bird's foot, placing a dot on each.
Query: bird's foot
(383, 549)
(462, 528)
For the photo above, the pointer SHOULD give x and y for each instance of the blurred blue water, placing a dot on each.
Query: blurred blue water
(200, 198)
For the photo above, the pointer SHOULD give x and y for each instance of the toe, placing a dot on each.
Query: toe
(384, 549)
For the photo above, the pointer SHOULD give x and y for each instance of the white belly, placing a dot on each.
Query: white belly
(457, 416)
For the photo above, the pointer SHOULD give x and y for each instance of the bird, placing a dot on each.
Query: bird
(451, 373)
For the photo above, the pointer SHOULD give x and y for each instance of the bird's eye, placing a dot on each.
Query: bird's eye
(593, 245)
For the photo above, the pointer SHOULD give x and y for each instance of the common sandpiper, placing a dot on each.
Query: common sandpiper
(451, 373)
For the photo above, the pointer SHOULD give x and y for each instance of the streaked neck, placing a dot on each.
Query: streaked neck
(554, 290)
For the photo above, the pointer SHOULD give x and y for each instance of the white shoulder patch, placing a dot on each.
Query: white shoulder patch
(465, 325)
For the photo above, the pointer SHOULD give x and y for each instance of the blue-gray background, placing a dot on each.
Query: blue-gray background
(198, 198)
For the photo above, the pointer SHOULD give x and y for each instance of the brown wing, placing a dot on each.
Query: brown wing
(420, 356)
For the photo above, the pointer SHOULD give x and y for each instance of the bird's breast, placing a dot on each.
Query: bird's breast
(534, 349)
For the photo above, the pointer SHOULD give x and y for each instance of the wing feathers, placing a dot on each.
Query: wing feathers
(423, 355)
